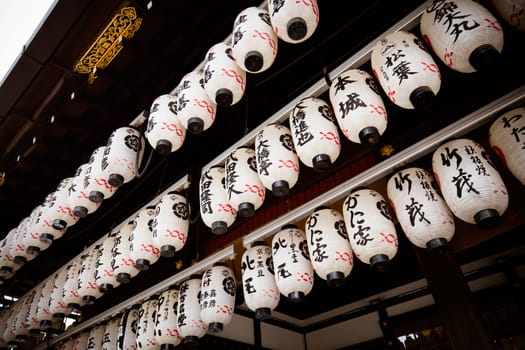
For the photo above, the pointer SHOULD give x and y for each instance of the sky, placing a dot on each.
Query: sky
(19, 19)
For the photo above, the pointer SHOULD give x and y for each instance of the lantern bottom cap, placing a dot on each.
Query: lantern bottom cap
(59, 316)
(88, 299)
(163, 147)
(116, 180)
(219, 227)
(21, 337)
(73, 306)
(253, 61)
(34, 331)
(296, 297)
(263, 313)
(123, 277)
(246, 210)
(335, 279)
(167, 347)
(483, 57)
(59, 224)
(142, 264)
(20, 260)
(80, 211)
(46, 238)
(437, 246)
(45, 323)
(224, 97)
(487, 218)
(296, 28)
(321, 162)
(2, 280)
(6, 269)
(33, 250)
(379, 262)
(215, 327)
(280, 188)
(106, 288)
(167, 251)
(369, 136)
(96, 196)
(191, 340)
(422, 98)
(195, 125)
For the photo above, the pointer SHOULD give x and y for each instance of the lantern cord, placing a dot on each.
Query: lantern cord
(326, 76)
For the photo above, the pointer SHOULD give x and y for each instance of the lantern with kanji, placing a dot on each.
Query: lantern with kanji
(371, 232)
(42, 222)
(128, 329)
(70, 296)
(405, 70)
(88, 288)
(314, 133)
(244, 187)
(191, 326)
(110, 339)
(422, 213)
(17, 248)
(165, 132)
(462, 33)
(141, 247)
(293, 21)
(7, 264)
(81, 341)
(277, 162)
(254, 45)
(57, 306)
(512, 11)
(224, 80)
(78, 197)
(166, 331)
(507, 139)
(217, 296)
(105, 278)
(59, 209)
(8, 332)
(31, 237)
(96, 337)
(145, 338)
(216, 211)
(122, 264)
(42, 308)
(358, 106)
(171, 223)
(260, 289)
(471, 186)
(20, 322)
(330, 252)
(96, 186)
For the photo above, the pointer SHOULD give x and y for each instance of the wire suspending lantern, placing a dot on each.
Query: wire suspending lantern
(122, 264)
(406, 71)
(422, 212)
(294, 21)
(476, 46)
(216, 211)
(78, 197)
(166, 332)
(512, 11)
(471, 186)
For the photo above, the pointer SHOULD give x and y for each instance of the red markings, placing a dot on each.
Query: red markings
(255, 189)
(204, 104)
(330, 136)
(493, 24)
(389, 238)
(172, 127)
(176, 234)
(265, 36)
(447, 57)
(290, 164)
(150, 248)
(104, 183)
(233, 74)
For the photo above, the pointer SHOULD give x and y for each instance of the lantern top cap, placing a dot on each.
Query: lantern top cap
(259, 243)
(220, 263)
(195, 276)
(288, 226)
(321, 207)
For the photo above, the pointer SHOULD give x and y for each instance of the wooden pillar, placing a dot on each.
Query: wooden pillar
(257, 337)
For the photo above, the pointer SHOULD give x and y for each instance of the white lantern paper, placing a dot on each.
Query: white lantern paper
(141, 247)
(71, 297)
(171, 224)
(166, 331)
(122, 263)
(122, 155)
(314, 133)
(95, 183)
(42, 224)
(254, 45)
(9, 332)
(59, 209)
(421, 211)
(31, 238)
(358, 106)
(81, 341)
(128, 330)
(508, 141)
(104, 275)
(145, 338)
(245, 190)
(88, 288)
(17, 248)
(406, 72)
(57, 306)
(216, 211)
(7, 263)
(277, 162)
(196, 111)
(165, 132)
(371, 232)
(109, 342)
(260, 290)
(462, 33)
(512, 11)
(96, 337)
(294, 21)
(20, 324)
(471, 186)
(42, 310)
(191, 326)
(224, 80)
(330, 252)
(78, 198)
(217, 300)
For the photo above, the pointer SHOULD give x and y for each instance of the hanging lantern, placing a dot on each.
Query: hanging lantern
(20, 322)
(96, 337)
(217, 296)
(128, 329)
(421, 211)
(471, 186)
(358, 107)
(216, 211)
(68, 344)
(277, 162)
(95, 183)
(145, 338)
(370, 228)
(191, 327)
(171, 224)
(78, 197)
(7, 264)
(110, 339)
(17, 248)
(196, 111)
(406, 71)
(123, 265)
(70, 296)
(330, 252)
(463, 34)
(9, 332)
(43, 310)
(294, 21)
(122, 155)
(57, 306)
(224, 80)
(88, 288)
(166, 332)
(42, 222)
(141, 247)
(81, 341)
(512, 11)
(59, 209)
(507, 139)
(244, 187)
(31, 238)
(165, 132)
(254, 45)
(105, 278)
(314, 133)
(260, 290)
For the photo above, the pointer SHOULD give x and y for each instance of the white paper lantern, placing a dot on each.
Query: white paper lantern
(122, 155)
(260, 290)
(294, 21)
(141, 247)
(471, 186)
(20, 324)
(42, 309)
(81, 341)
(463, 34)
(314, 133)
(17, 248)
(165, 132)
(216, 211)
(71, 297)
(95, 183)
(127, 333)
(7, 264)
(78, 197)
(31, 238)
(42, 224)
(371, 232)
(88, 288)
(512, 11)
(277, 162)
(57, 306)
(191, 326)
(358, 106)
(109, 342)
(104, 275)
(508, 141)
(96, 337)
(171, 224)
(166, 331)
(196, 111)
(244, 187)
(405, 70)
(224, 80)
(217, 299)
(254, 45)
(330, 252)
(421, 211)
(9, 334)
(59, 209)
(145, 338)
(123, 265)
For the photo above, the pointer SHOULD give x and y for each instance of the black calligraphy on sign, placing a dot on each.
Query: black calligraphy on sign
(248, 263)
(132, 142)
(402, 71)
(282, 272)
(180, 210)
(341, 82)
(279, 243)
(210, 57)
(463, 181)
(372, 85)
(448, 155)
(263, 156)
(383, 209)
(301, 129)
(232, 176)
(252, 163)
(360, 231)
(326, 112)
(353, 102)
(517, 132)
(415, 211)
(237, 35)
(205, 193)
(447, 14)
(401, 179)
(269, 264)
(319, 252)
(229, 285)
(426, 186)
(340, 228)
(277, 5)
(208, 73)
(182, 102)
(265, 17)
(248, 286)
(287, 142)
